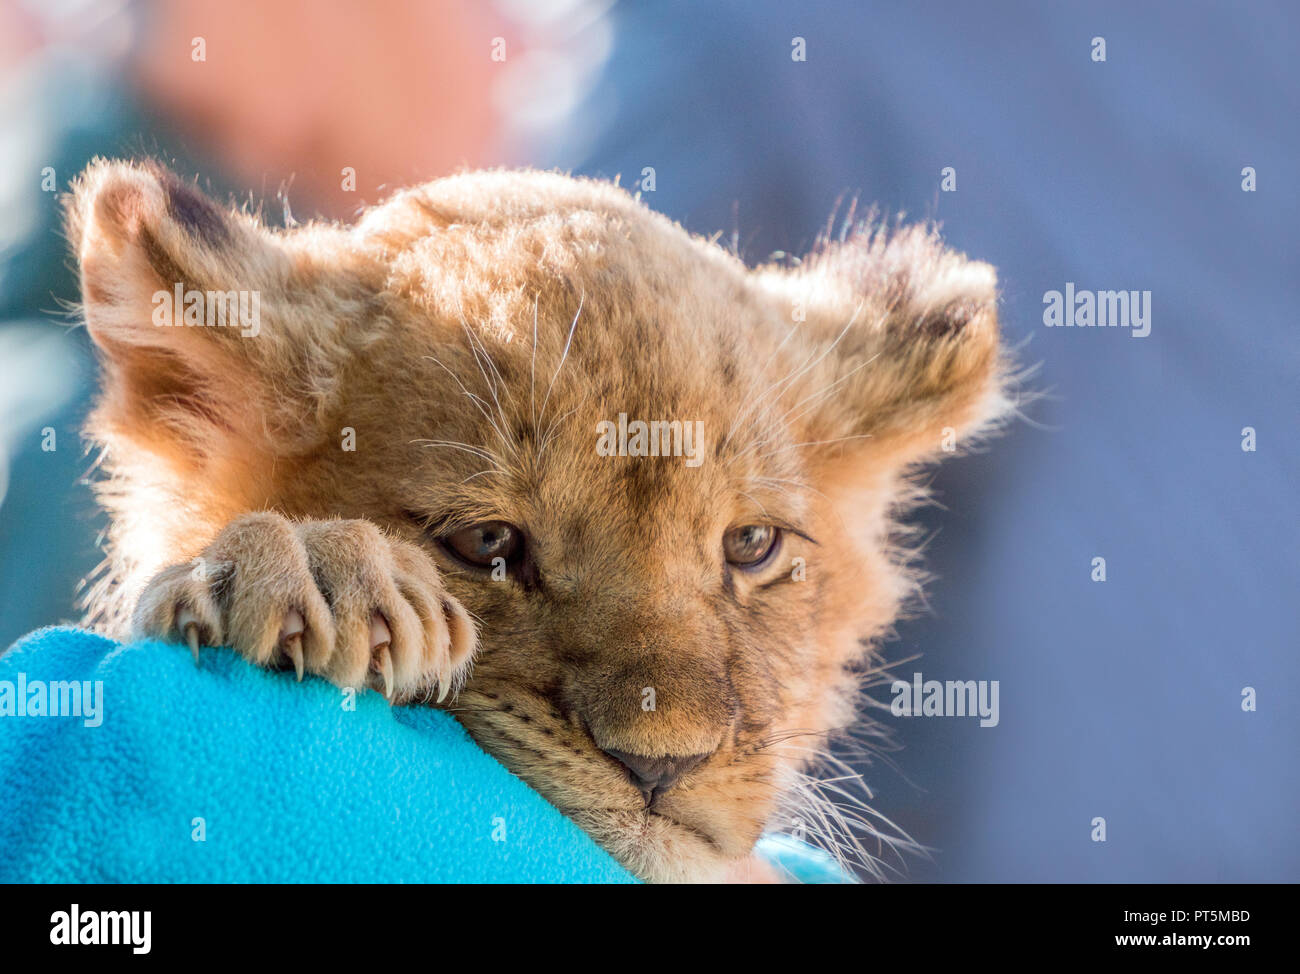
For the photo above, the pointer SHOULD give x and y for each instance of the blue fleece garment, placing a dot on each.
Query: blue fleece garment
(290, 786)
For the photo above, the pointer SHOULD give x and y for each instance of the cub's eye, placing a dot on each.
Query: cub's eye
(750, 545)
(479, 544)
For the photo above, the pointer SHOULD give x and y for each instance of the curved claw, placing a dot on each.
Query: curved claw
(383, 664)
(188, 624)
(192, 637)
(444, 680)
(292, 647)
(291, 639)
(381, 657)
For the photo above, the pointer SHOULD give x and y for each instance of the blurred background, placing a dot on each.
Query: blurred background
(1119, 699)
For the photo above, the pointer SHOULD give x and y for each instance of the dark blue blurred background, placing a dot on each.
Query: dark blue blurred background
(1119, 699)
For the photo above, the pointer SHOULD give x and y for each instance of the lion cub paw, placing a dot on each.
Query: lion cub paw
(335, 598)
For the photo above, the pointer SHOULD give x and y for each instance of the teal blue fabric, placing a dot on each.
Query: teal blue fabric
(289, 786)
(798, 862)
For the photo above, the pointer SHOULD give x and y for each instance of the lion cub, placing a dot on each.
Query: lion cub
(519, 421)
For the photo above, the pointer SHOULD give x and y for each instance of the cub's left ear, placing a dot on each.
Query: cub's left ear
(901, 341)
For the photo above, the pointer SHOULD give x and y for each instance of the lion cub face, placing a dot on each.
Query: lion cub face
(661, 481)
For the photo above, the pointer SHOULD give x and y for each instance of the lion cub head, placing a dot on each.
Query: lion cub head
(662, 481)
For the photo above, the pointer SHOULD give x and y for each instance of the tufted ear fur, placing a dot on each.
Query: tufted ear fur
(898, 361)
(209, 325)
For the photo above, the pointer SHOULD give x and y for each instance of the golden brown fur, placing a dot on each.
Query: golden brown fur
(472, 332)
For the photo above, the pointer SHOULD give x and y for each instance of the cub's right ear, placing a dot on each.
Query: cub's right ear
(138, 230)
(208, 321)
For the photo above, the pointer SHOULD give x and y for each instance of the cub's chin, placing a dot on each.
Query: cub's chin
(678, 841)
(656, 848)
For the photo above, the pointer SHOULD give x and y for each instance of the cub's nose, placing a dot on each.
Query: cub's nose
(654, 776)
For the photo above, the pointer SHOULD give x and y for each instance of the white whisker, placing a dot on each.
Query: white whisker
(564, 357)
